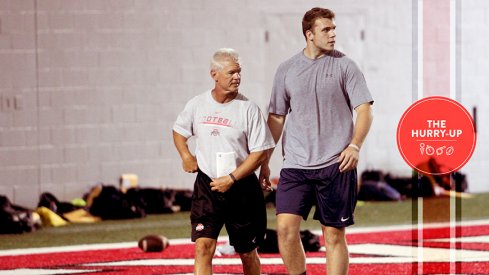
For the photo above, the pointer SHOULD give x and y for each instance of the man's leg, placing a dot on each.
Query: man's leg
(289, 243)
(251, 262)
(204, 251)
(336, 250)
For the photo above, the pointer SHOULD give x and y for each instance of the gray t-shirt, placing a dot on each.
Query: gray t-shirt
(237, 126)
(318, 97)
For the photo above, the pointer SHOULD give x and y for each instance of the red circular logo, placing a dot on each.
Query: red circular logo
(436, 135)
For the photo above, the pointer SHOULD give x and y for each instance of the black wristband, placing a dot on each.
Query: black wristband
(232, 177)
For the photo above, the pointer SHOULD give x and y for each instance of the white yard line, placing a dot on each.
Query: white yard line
(74, 248)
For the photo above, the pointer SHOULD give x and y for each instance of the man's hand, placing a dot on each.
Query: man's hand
(222, 184)
(348, 159)
(265, 178)
(189, 164)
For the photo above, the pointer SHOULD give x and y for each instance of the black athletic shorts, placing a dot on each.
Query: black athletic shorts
(334, 194)
(241, 209)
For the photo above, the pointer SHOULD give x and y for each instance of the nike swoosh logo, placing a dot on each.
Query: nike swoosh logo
(344, 220)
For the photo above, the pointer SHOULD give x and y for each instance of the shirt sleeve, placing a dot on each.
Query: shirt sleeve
(356, 86)
(279, 100)
(259, 136)
(185, 120)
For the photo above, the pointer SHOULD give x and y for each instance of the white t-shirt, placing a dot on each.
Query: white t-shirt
(237, 126)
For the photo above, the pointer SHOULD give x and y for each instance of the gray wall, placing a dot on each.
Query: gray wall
(89, 89)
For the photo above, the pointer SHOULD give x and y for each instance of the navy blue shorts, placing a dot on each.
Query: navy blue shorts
(241, 209)
(334, 194)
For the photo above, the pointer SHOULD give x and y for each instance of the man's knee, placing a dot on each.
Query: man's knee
(288, 227)
(249, 256)
(286, 233)
(334, 236)
(204, 248)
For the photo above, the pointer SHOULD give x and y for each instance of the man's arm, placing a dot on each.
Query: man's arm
(276, 125)
(189, 162)
(254, 160)
(349, 157)
(249, 165)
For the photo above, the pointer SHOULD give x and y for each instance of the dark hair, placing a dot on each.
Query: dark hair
(311, 15)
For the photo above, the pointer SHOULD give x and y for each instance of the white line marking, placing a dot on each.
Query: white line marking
(34, 271)
(473, 239)
(352, 230)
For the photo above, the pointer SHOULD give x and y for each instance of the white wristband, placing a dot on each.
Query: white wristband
(354, 147)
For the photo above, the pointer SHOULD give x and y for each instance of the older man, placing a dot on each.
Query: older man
(231, 140)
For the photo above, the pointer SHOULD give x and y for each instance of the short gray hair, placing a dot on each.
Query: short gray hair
(221, 55)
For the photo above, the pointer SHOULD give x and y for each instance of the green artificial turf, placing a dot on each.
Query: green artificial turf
(177, 225)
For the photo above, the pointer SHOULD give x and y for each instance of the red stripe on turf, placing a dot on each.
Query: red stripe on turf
(74, 260)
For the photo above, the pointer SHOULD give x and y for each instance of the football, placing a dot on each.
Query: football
(153, 243)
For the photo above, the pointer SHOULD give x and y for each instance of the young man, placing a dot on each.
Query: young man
(317, 90)
(232, 138)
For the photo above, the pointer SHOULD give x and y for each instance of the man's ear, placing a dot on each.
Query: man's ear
(214, 74)
(310, 35)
